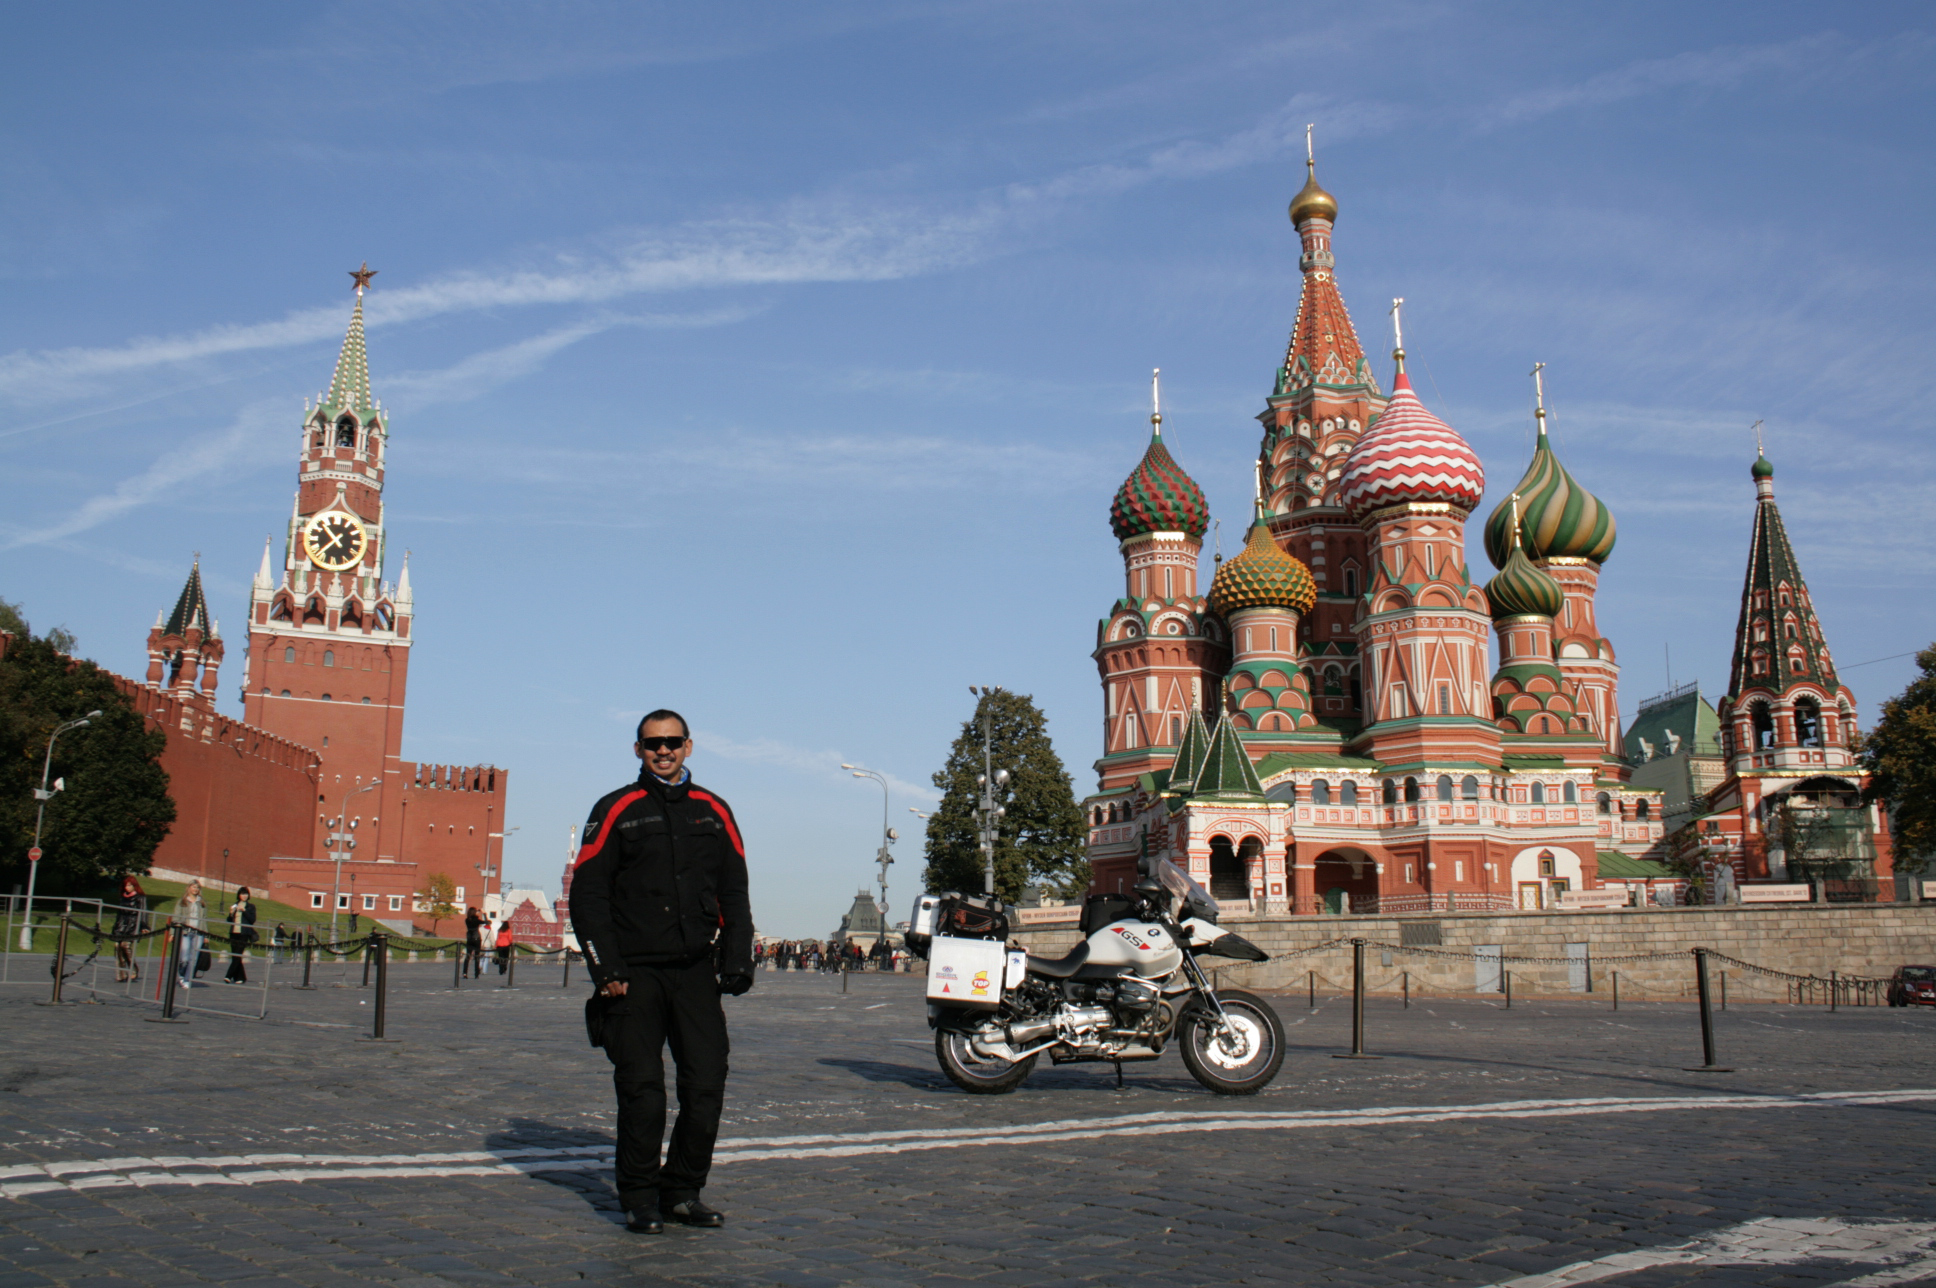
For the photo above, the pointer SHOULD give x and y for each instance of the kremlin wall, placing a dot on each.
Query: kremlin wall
(1321, 731)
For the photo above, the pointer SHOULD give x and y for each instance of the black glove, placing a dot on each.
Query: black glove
(735, 985)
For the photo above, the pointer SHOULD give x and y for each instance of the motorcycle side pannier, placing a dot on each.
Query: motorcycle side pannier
(966, 972)
(1098, 910)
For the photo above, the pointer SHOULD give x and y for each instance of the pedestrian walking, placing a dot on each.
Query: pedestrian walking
(473, 943)
(659, 901)
(504, 946)
(241, 935)
(130, 919)
(188, 921)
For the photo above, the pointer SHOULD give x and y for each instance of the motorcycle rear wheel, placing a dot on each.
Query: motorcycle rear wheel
(1255, 1053)
(974, 1073)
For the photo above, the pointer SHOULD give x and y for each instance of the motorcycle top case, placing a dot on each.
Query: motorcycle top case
(971, 916)
(966, 972)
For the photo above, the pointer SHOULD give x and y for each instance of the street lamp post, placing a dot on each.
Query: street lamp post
(43, 795)
(888, 834)
(994, 786)
(488, 871)
(342, 842)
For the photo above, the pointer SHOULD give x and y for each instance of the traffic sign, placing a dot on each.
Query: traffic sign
(33, 855)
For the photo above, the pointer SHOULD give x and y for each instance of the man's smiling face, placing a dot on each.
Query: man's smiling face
(663, 745)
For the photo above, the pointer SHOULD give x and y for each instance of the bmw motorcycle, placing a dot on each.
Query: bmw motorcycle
(1129, 988)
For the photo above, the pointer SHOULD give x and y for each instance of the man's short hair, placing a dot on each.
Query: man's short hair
(663, 714)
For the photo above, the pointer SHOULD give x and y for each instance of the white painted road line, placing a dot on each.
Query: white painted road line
(21, 1180)
(1907, 1250)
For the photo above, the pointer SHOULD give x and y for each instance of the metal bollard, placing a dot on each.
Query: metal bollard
(379, 952)
(60, 960)
(1407, 976)
(566, 954)
(843, 976)
(457, 970)
(1616, 990)
(170, 978)
(1707, 1018)
(1312, 983)
(1724, 990)
(511, 968)
(1508, 978)
(1357, 1005)
(1833, 980)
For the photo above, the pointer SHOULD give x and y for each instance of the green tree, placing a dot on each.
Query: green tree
(1041, 835)
(442, 898)
(1899, 756)
(14, 624)
(115, 809)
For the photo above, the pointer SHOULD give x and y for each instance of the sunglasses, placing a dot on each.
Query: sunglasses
(661, 744)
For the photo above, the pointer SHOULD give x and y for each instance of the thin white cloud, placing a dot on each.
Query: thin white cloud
(181, 464)
(771, 751)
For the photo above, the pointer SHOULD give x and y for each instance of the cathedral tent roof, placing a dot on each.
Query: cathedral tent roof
(191, 606)
(1227, 771)
(1189, 754)
(349, 386)
(1777, 641)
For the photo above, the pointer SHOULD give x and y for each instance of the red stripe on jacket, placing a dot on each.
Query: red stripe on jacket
(593, 846)
(725, 816)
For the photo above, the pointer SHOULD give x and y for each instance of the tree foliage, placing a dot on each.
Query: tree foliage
(441, 896)
(115, 809)
(1042, 834)
(1899, 755)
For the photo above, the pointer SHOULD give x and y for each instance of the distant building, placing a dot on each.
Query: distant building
(1674, 744)
(534, 919)
(863, 923)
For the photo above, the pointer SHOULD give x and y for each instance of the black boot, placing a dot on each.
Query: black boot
(645, 1219)
(693, 1212)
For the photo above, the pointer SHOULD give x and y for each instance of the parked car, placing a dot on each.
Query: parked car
(1913, 986)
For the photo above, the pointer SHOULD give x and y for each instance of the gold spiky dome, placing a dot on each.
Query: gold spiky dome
(1312, 202)
(1262, 576)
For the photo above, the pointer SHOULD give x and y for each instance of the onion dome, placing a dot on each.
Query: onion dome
(1158, 497)
(1262, 575)
(1763, 468)
(1311, 201)
(1409, 454)
(1522, 590)
(1558, 519)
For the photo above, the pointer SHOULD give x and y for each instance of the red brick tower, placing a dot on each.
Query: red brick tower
(1325, 398)
(329, 640)
(1160, 652)
(185, 647)
(1423, 627)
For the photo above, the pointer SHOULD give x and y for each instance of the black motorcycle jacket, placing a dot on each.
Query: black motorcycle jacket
(660, 880)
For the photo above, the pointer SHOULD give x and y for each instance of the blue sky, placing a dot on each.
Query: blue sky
(777, 362)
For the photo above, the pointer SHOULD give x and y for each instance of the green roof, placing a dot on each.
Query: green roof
(1227, 770)
(1534, 762)
(1278, 762)
(1190, 753)
(1680, 722)
(1615, 864)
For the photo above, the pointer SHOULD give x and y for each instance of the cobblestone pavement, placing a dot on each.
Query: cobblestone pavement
(1556, 1142)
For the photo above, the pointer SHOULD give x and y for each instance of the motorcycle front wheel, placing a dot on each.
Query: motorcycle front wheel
(1238, 1062)
(974, 1073)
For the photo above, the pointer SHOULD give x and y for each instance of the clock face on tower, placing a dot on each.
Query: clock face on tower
(334, 541)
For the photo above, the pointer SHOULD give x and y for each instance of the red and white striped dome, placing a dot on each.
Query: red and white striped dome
(1410, 455)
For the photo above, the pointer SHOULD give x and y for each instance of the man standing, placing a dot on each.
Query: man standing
(658, 900)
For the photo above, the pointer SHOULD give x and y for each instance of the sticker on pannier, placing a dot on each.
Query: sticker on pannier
(966, 972)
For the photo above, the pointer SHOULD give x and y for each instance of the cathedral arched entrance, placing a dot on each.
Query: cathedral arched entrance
(1346, 881)
(1228, 880)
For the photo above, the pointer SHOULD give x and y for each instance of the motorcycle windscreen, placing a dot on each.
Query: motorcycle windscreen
(1192, 900)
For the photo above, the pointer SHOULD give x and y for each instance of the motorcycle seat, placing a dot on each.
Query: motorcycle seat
(1060, 967)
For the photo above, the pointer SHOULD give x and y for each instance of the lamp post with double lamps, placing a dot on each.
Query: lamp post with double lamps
(43, 794)
(341, 840)
(993, 783)
(488, 871)
(888, 834)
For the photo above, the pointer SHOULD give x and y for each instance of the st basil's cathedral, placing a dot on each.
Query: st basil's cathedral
(1323, 731)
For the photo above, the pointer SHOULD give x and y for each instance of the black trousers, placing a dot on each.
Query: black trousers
(675, 1006)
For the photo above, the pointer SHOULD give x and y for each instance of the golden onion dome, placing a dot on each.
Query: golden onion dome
(1262, 575)
(1312, 202)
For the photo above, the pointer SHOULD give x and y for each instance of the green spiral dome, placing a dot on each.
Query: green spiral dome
(1558, 519)
(1522, 590)
(1262, 576)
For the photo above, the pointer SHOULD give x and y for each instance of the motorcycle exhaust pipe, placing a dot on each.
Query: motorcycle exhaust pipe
(1020, 1035)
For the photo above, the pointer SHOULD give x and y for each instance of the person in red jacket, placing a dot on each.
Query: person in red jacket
(504, 946)
(659, 904)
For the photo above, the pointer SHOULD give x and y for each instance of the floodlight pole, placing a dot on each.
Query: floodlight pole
(993, 784)
(342, 842)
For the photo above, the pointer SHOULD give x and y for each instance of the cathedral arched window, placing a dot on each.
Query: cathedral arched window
(1604, 802)
(1808, 722)
(1357, 694)
(1469, 787)
(1347, 792)
(1764, 726)
(1320, 792)
(1539, 793)
(1389, 791)
(1411, 790)
(329, 657)
(346, 432)
(1445, 787)
(1570, 793)
(1351, 582)
(1642, 811)
(289, 653)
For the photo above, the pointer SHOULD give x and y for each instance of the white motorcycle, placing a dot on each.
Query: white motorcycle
(1120, 995)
